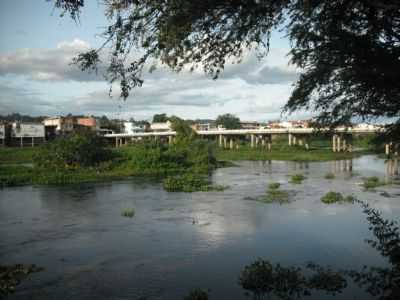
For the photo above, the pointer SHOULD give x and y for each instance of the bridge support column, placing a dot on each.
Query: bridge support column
(301, 141)
(225, 141)
(387, 149)
(170, 138)
(257, 140)
(290, 139)
(263, 142)
(307, 143)
(294, 140)
(231, 143)
(252, 140)
(220, 140)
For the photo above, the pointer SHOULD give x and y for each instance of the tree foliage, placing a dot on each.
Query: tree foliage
(160, 118)
(228, 121)
(347, 50)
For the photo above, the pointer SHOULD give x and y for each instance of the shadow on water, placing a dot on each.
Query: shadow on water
(263, 280)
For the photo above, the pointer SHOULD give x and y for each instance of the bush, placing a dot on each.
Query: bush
(83, 149)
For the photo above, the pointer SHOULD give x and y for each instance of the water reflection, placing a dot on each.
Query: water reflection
(266, 281)
(392, 167)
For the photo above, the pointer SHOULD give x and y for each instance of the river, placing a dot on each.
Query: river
(179, 241)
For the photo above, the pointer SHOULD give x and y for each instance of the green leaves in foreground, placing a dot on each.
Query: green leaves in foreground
(263, 279)
(197, 294)
(11, 276)
(189, 183)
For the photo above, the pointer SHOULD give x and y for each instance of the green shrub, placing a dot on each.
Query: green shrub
(82, 149)
(128, 212)
(372, 182)
(275, 195)
(334, 197)
(329, 175)
(274, 185)
(197, 294)
(297, 178)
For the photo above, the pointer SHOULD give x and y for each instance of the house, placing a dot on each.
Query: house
(88, 122)
(250, 125)
(131, 128)
(4, 134)
(160, 127)
(60, 125)
(27, 134)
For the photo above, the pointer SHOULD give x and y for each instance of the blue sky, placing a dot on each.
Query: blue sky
(36, 77)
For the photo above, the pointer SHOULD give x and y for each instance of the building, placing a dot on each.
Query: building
(4, 134)
(161, 127)
(250, 125)
(60, 125)
(131, 127)
(89, 122)
(27, 134)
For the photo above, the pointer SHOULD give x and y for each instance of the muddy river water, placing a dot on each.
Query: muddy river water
(179, 241)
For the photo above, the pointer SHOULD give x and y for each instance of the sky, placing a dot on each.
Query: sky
(36, 77)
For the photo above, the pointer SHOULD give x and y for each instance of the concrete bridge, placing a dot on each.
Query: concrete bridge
(341, 137)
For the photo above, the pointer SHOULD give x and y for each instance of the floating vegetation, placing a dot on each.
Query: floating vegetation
(197, 294)
(372, 182)
(190, 183)
(329, 175)
(297, 178)
(334, 197)
(128, 212)
(11, 276)
(274, 185)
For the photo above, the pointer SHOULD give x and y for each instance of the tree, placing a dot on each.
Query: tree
(160, 118)
(348, 51)
(228, 121)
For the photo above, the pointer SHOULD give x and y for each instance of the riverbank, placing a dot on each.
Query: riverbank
(285, 153)
(16, 165)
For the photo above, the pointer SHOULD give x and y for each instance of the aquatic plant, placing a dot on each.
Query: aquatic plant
(297, 178)
(335, 197)
(197, 294)
(329, 175)
(274, 185)
(128, 212)
(372, 182)
(189, 183)
(11, 276)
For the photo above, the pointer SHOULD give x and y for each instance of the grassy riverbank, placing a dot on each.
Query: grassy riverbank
(284, 153)
(17, 165)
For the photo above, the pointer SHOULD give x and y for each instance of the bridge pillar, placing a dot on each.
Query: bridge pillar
(220, 140)
(257, 140)
(252, 140)
(387, 149)
(263, 142)
(301, 141)
(307, 143)
(225, 142)
(170, 138)
(290, 139)
(231, 143)
(294, 141)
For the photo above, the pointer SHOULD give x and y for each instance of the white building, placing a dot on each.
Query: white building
(159, 127)
(2, 135)
(130, 128)
(27, 134)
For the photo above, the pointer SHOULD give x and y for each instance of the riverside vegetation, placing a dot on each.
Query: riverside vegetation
(84, 157)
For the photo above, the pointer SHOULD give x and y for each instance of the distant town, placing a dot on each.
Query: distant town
(21, 130)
